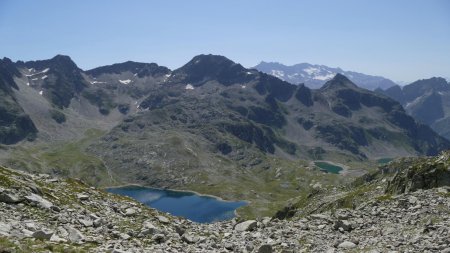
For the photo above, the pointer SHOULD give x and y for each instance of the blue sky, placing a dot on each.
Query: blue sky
(403, 40)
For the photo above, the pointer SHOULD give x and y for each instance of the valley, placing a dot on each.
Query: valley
(211, 126)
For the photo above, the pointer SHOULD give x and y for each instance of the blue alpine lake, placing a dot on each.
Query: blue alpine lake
(328, 167)
(198, 208)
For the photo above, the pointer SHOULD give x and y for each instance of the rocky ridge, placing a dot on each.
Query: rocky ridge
(41, 213)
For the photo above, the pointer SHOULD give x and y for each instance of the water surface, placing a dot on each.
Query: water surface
(198, 208)
(328, 167)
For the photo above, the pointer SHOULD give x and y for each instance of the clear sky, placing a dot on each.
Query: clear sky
(403, 40)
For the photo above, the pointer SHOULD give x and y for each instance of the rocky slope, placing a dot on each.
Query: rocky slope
(41, 213)
(427, 101)
(15, 124)
(314, 76)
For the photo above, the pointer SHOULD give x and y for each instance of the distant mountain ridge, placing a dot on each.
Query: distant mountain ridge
(314, 76)
(427, 100)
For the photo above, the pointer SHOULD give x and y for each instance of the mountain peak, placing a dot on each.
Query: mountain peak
(139, 68)
(203, 68)
(339, 81)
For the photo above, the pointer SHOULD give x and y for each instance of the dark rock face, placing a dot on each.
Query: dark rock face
(15, 124)
(203, 68)
(280, 90)
(345, 137)
(304, 95)
(425, 101)
(66, 81)
(141, 69)
(431, 109)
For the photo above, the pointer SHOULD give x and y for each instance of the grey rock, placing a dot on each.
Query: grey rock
(346, 245)
(9, 198)
(82, 197)
(163, 219)
(190, 238)
(159, 238)
(130, 212)
(86, 223)
(74, 235)
(246, 225)
(39, 201)
(344, 224)
(265, 248)
(43, 234)
(5, 228)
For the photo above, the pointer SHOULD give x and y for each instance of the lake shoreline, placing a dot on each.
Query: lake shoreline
(190, 193)
(175, 190)
(343, 172)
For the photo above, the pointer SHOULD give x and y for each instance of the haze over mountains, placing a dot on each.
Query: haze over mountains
(314, 76)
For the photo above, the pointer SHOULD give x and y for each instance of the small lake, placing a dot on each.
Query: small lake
(328, 167)
(385, 160)
(202, 209)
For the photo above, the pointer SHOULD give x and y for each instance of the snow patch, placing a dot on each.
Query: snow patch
(34, 79)
(125, 81)
(44, 77)
(189, 87)
(278, 73)
(41, 92)
(311, 70)
(249, 73)
(28, 84)
(31, 70)
(243, 86)
(96, 82)
(45, 70)
(325, 77)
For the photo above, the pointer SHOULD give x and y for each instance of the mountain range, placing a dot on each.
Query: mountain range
(211, 126)
(427, 100)
(314, 76)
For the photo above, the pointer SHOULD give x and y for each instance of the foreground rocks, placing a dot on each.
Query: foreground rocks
(39, 213)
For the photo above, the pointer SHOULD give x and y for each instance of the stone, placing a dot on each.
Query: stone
(39, 201)
(346, 245)
(130, 212)
(82, 197)
(246, 225)
(180, 230)
(86, 223)
(229, 246)
(189, 238)
(43, 234)
(163, 219)
(74, 235)
(9, 198)
(5, 228)
(265, 248)
(159, 238)
(344, 224)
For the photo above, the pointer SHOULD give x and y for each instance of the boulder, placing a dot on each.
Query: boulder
(246, 225)
(9, 198)
(39, 201)
(190, 238)
(265, 248)
(74, 235)
(163, 219)
(43, 234)
(346, 245)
